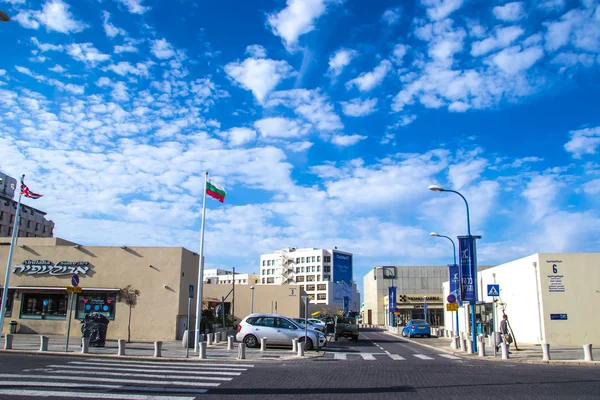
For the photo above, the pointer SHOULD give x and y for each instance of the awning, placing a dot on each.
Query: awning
(59, 289)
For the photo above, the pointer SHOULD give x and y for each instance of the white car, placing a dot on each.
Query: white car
(317, 322)
(278, 329)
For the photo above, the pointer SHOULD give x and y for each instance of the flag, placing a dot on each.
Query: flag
(28, 193)
(215, 191)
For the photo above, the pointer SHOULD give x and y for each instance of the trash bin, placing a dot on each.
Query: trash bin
(94, 327)
(12, 327)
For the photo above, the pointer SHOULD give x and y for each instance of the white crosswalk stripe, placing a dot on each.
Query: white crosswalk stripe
(383, 356)
(396, 357)
(123, 379)
(449, 356)
(423, 357)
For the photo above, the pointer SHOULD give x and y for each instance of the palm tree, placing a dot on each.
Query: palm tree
(128, 295)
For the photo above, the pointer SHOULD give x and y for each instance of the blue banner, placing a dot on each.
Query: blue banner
(342, 277)
(454, 278)
(392, 298)
(468, 268)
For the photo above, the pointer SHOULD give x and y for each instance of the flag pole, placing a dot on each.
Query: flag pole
(200, 268)
(15, 233)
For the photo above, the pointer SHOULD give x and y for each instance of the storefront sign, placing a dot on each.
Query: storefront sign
(468, 268)
(39, 267)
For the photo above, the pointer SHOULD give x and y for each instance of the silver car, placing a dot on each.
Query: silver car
(278, 329)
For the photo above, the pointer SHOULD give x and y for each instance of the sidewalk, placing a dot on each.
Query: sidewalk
(171, 350)
(527, 353)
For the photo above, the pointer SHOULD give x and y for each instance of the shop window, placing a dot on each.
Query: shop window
(322, 287)
(103, 303)
(44, 306)
(9, 302)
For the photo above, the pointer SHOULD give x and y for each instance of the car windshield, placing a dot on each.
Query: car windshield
(419, 321)
(347, 321)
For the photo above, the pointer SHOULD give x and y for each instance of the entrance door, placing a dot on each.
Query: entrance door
(370, 317)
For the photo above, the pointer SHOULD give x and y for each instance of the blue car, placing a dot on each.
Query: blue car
(416, 327)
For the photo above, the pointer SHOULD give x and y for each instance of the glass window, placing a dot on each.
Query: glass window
(303, 260)
(302, 269)
(268, 322)
(263, 271)
(9, 302)
(44, 306)
(313, 259)
(263, 280)
(321, 296)
(252, 320)
(326, 268)
(268, 262)
(310, 288)
(322, 287)
(310, 278)
(299, 279)
(298, 260)
(103, 303)
(284, 323)
(325, 277)
(318, 277)
(297, 270)
(312, 269)
(263, 263)
(318, 268)
(270, 280)
(318, 258)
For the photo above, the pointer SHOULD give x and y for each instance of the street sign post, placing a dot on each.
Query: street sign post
(493, 290)
(71, 289)
(189, 332)
(75, 280)
(451, 298)
(451, 307)
(74, 289)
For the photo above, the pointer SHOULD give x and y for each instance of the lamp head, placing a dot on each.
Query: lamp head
(436, 188)
(434, 234)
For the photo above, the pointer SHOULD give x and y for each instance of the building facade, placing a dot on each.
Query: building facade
(33, 222)
(226, 277)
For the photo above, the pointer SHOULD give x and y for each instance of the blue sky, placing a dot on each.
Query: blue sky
(325, 120)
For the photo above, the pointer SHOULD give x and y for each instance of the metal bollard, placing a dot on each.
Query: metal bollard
(202, 351)
(242, 351)
(463, 344)
(217, 337)
(229, 342)
(43, 343)
(209, 339)
(85, 345)
(157, 349)
(587, 352)
(121, 347)
(294, 345)
(201, 338)
(481, 348)
(301, 349)
(504, 347)
(8, 339)
(545, 352)
(470, 348)
(263, 344)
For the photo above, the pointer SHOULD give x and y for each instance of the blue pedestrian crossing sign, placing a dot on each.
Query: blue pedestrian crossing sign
(493, 290)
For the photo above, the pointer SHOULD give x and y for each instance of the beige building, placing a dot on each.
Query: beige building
(548, 298)
(42, 269)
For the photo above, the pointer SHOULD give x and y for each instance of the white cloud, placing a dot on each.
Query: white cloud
(313, 106)
(541, 191)
(134, 6)
(239, 136)
(86, 53)
(111, 30)
(578, 27)
(398, 53)
(346, 140)
(391, 15)
(339, 61)
(298, 147)
(297, 19)
(358, 107)
(280, 128)
(514, 60)
(502, 37)
(370, 80)
(551, 5)
(55, 16)
(162, 49)
(592, 187)
(510, 12)
(124, 68)
(464, 173)
(440, 9)
(256, 51)
(27, 20)
(127, 47)
(583, 142)
(260, 76)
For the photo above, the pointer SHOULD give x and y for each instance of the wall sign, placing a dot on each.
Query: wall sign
(556, 279)
(40, 267)
(560, 317)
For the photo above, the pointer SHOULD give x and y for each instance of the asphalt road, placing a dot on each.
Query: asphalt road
(379, 366)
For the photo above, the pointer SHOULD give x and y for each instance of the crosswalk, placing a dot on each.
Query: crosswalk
(103, 378)
(396, 357)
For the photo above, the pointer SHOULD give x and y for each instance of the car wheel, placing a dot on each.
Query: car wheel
(429, 336)
(403, 334)
(251, 341)
(409, 335)
(309, 343)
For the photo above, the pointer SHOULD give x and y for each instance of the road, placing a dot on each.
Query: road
(379, 366)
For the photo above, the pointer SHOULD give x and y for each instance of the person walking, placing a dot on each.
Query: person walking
(505, 333)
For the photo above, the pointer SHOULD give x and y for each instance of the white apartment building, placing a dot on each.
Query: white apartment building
(216, 276)
(325, 275)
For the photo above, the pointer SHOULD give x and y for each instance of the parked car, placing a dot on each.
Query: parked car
(311, 325)
(347, 328)
(278, 329)
(317, 322)
(416, 327)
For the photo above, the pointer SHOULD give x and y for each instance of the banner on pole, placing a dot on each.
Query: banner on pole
(391, 298)
(454, 278)
(468, 268)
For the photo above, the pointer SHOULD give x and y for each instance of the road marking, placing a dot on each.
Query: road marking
(422, 356)
(149, 371)
(396, 357)
(339, 356)
(127, 388)
(187, 364)
(111, 380)
(450, 356)
(145, 375)
(387, 352)
(368, 356)
(87, 395)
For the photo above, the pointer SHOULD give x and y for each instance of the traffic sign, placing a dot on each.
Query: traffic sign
(191, 291)
(493, 290)
(74, 289)
(451, 298)
(451, 307)
(75, 280)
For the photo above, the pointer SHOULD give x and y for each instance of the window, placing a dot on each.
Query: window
(318, 268)
(9, 302)
(312, 269)
(326, 268)
(297, 270)
(325, 277)
(28, 224)
(267, 321)
(299, 279)
(284, 323)
(318, 277)
(321, 287)
(268, 262)
(12, 218)
(270, 280)
(263, 263)
(302, 260)
(321, 296)
(263, 271)
(298, 260)
(103, 303)
(37, 226)
(44, 306)
(310, 288)
(263, 281)
(318, 258)
(310, 278)
(10, 231)
(1, 215)
(326, 258)
(302, 269)
(313, 258)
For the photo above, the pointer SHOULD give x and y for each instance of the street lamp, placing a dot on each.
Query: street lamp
(450, 275)
(436, 188)
(4, 17)
(252, 300)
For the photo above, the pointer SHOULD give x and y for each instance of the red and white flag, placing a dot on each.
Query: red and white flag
(28, 193)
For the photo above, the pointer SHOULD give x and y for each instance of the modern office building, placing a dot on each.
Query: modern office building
(226, 277)
(33, 222)
(326, 275)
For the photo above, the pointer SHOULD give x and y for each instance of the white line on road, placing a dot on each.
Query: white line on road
(110, 380)
(368, 356)
(450, 356)
(339, 356)
(145, 375)
(188, 364)
(86, 395)
(149, 371)
(396, 357)
(99, 386)
(158, 365)
(422, 356)
(387, 352)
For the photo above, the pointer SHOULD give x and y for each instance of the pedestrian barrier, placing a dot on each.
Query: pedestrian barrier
(294, 345)
(463, 344)
(242, 351)
(587, 352)
(202, 351)
(470, 348)
(481, 346)
(121, 350)
(85, 345)
(263, 344)
(504, 351)
(301, 350)
(157, 349)
(545, 352)
(229, 342)
(8, 339)
(217, 337)
(43, 343)
(209, 339)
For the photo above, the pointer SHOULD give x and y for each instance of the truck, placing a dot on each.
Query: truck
(346, 327)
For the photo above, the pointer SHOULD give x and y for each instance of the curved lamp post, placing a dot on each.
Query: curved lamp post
(436, 188)
(4, 17)
(454, 247)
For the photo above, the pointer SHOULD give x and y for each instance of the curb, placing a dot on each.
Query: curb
(513, 360)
